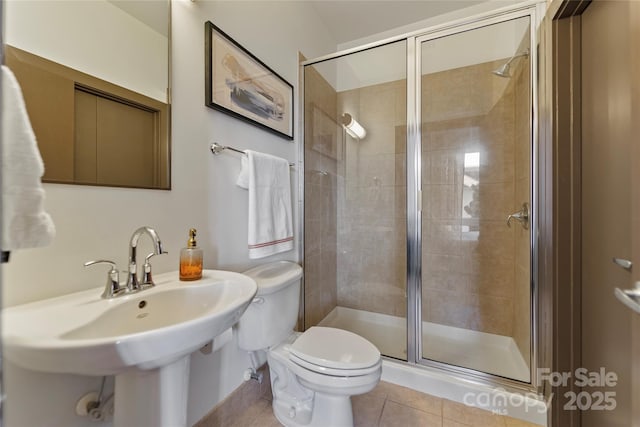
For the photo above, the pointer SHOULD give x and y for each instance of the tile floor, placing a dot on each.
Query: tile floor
(387, 405)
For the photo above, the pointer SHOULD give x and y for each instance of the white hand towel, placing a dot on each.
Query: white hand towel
(25, 223)
(270, 218)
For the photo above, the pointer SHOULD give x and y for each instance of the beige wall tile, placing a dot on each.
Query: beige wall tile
(448, 308)
(376, 170)
(470, 311)
(443, 167)
(437, 263)
(379, 297)
(497, 163)
(320, 206)
(401, 170)
(478, 260)
(449, 135)
(380, 138)
(442, 201)
(400, 92)
(441, 236)
(371, 108)
(454, 282)
(496, 201)
(492, 283)
(463, 92)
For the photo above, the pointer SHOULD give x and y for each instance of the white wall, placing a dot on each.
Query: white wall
(96, 222)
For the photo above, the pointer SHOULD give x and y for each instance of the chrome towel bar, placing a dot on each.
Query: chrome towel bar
(219, 148)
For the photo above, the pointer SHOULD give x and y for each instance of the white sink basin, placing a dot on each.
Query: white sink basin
(82, 333)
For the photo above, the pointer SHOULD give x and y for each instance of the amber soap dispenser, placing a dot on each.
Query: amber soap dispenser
(191, 259)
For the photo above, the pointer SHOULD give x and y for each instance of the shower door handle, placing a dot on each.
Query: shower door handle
(522, 216)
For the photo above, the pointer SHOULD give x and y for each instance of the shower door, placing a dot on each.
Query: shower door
(406, 238)
(474, 109)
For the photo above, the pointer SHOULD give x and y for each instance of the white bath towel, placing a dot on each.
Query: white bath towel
(270, 218)
(25, 223)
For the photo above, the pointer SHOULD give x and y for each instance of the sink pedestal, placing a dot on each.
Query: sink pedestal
(153, 398)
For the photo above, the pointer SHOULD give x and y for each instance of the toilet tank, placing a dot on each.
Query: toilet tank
(273, 313)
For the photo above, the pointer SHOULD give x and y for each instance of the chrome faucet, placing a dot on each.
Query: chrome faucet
(133, 284)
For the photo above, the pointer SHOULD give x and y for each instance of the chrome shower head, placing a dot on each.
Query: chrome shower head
(504, 70)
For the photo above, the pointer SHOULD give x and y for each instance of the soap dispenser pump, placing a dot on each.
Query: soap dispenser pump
(191, 259)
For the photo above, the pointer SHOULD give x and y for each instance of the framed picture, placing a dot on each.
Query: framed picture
(325, 134)
(239, 84)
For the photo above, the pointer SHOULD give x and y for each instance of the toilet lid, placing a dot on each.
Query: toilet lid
(274, 276)
(335, 348)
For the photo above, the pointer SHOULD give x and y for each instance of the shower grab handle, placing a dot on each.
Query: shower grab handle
(522, 216)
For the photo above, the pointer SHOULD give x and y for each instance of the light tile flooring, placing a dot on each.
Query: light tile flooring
(387, 405)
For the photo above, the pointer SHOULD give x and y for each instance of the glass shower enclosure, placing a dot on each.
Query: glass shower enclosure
(417, 233)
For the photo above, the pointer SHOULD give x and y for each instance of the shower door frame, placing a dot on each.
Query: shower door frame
(535, 10)
(414, 197)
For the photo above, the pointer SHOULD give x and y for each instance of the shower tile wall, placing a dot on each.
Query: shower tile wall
(468, 184)
(372, 202)
(320, 236)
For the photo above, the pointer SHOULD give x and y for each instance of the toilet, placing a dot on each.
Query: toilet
(314, 373)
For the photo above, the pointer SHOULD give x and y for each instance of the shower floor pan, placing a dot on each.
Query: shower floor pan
(490, 353)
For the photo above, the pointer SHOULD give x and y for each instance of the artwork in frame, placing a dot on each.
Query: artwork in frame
(239, 84)
(325, 134)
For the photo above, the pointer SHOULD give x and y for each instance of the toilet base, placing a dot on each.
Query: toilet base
(327, 410)
(302, 398)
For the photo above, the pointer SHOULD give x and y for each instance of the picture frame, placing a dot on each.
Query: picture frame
(325, 134)
(239, 84)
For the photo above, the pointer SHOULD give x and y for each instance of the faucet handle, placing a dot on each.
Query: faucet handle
(152, 254)
(112, 288)
(147, 280)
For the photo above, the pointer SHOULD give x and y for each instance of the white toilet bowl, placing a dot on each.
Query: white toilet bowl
(307, 393)
(315, 373)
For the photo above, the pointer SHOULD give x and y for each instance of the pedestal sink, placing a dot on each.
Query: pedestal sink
(144, 339)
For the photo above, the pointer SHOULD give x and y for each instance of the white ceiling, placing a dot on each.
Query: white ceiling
(349, 20)
(346, 20)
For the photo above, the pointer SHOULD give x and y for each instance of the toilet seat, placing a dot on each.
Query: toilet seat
(332, 351)
(333, 371)
(314, 380)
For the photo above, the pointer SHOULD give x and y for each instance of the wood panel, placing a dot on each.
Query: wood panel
(85, 159)
(49, 91)
(607, 140)
(49, 99)
(125, 144)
